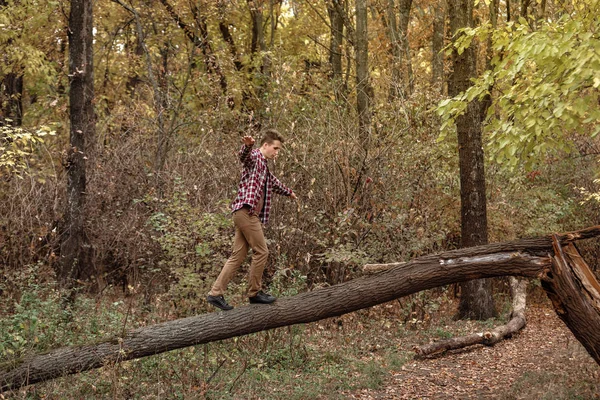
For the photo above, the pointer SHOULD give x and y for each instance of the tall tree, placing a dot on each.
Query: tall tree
(486, 101)
(200, 40)
(75, 262)
(363, 87)
(404, 7)
(258, 51)
(224, 26)
(335, 8)
(538, 104)
(397, 29)
(476, 299)
(437, 43)
(239, 65)
(11, 92)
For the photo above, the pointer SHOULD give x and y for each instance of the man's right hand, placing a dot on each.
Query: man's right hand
(248, 140)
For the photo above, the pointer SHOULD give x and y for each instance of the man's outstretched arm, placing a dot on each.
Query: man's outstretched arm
(246, 151)
(280, 188)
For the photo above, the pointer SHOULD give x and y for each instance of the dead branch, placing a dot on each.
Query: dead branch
(488, 338)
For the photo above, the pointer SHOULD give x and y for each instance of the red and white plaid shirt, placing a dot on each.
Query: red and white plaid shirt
(256, 177)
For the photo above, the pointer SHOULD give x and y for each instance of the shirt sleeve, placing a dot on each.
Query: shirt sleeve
(245, 156)
(279, 187)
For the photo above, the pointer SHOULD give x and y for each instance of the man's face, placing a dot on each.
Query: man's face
(271, 150)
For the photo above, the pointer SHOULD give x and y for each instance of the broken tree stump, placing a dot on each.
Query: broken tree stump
(575, 295)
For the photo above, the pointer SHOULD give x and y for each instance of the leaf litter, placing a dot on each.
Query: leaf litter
(544, 360)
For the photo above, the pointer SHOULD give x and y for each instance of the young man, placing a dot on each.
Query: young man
(250, 208)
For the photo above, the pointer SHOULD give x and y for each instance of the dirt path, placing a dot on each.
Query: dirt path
(543, 361)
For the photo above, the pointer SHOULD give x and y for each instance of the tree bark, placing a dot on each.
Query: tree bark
(75, 260)
(437, 45)
(201, 41)
(226, 35)
(258, 49)
(527, 258)
(159, 90)
(395, 49)
(336, 21)
(476, 301)
(363, 87)
(401, 84)
(575, 295)
(12, 103)
(239, 65)
(404, 14)
(258, 44)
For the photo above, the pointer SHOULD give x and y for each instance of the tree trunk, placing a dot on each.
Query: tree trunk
(541, 12)
(226, 35)
(75, 260)
(525, 9)
(258, 48)
(527, 258)
(341, 7)
(224, 28)
(336, 21)
(486, 102)
(405, 6)
(210, 58)
(476, 299)
(201, 41)
(575, 295)
(401, 84)
(159, 90)
(437, 44)
(391, 23)
(363, 87)
(12, 103)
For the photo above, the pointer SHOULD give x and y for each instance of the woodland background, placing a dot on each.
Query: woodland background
(371, 148)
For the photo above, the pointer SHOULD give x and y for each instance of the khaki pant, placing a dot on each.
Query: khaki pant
(248, 233)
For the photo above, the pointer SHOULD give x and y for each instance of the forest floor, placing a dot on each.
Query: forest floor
(365, 355)
(543, 361)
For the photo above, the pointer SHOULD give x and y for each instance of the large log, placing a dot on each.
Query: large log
(528, 258)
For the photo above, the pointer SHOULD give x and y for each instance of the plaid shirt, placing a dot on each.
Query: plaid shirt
(256, 177)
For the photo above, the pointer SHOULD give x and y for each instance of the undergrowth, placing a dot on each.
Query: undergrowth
(329, 359)
(334, 356)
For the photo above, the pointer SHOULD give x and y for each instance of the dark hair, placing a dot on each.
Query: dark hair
(271, 135)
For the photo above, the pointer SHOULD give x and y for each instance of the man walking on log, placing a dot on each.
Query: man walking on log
(251, 209)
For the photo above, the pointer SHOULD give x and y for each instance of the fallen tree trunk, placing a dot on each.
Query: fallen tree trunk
(489, 338)
(575, 295)
(527, 258)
